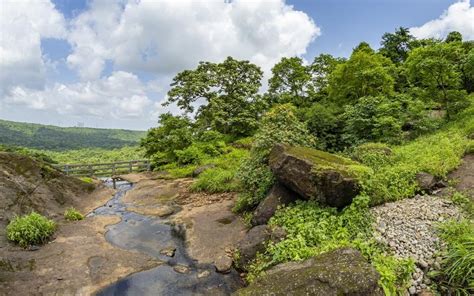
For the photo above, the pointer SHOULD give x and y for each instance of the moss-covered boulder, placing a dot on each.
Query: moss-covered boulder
(340, 272)
(330, 179)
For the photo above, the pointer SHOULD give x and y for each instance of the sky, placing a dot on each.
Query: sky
(109, 63)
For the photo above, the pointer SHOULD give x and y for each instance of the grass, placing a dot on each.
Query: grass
(87, 180)
(32, 229)
(71, 214)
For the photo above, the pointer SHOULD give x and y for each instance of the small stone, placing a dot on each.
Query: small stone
(181, 269)
(412, 290)
(422, 263)
(169, 251)
(223, 264)
(203, 274)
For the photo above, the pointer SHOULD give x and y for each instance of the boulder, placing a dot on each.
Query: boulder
(426, 181)
(279, 195)
(313, 174)
(202, 168)
(253, 242)
(340, 272)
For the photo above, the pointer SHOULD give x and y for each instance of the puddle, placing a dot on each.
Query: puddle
(180, 275)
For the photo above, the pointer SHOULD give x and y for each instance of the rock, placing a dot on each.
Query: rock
(223, 264)
(278, 234)
(314, 174)
(168, 251)
(412, 290)
(203, 274)
(279, 195)
(181, 269)
(425, 181)
(202, 168)
(253, 242)
(340, 272)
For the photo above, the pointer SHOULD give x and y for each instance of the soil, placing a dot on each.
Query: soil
(464, 175)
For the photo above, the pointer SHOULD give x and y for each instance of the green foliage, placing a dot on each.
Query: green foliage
(55, 138)
(189, 155)
(313, 229)
(457, 274)
(229, 90)
(86, 180)
(396, 46)
(216, 180)
(71, 214)
(465, 202)
(30, 229)
(38, 155)
(279, 125)
(94, 155)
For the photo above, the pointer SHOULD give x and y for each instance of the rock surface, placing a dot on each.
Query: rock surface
(340, 272)
(314, 174)
(253, 242)
(279, 195)
(408, 228)
(426, 181)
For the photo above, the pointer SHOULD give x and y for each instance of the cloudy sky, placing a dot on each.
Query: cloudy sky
(109, 63)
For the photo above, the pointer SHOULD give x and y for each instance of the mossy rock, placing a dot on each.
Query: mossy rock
(340, 272)
(330, 179)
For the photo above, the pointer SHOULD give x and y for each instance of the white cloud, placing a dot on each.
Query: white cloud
(458, 17)
(164, 37)
(121, 95)
(22, 25)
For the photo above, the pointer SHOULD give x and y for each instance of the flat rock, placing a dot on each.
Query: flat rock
(168, 251)
(223, 264)
(340, 272)
(317, 175)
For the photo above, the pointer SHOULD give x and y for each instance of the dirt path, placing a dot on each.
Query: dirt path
(464, 175)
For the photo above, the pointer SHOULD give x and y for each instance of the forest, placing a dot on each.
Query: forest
(403, 109)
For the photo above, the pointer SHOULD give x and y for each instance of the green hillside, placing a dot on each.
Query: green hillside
(65, 138)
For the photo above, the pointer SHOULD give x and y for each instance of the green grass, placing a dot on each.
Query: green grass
(30, 229)
(71, 214)
(94, 155)
(88, 180)
(216, 180)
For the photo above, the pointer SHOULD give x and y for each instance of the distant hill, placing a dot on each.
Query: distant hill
(56, 138)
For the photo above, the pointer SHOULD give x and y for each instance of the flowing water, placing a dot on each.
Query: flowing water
(178, 275)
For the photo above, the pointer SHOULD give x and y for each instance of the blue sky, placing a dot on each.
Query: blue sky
(109, 63)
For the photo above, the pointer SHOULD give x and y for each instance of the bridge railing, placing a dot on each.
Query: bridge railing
(104, 169)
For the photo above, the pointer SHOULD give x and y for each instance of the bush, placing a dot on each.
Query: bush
(215, 180)
(30, 229)
(279, 125)
(190, 155)
(71, 214)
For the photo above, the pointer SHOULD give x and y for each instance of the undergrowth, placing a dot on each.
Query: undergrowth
(30, 229)
(71, 214)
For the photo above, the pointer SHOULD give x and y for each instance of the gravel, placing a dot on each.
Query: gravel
(408, 228)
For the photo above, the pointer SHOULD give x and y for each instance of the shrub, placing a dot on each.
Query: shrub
(279, 125)
(215, 180)
(30, 229)
(190, 155)
(71, 214)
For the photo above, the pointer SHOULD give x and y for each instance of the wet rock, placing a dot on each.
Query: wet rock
(425, 181)
(168, 251)
(279, 195)
(253, 242)
(181, 269)
(203, 274)
(315, 174)
(202, 168)
(223, 264)
(340, 272)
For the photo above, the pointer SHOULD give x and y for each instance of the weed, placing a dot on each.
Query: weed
(71, 214)
(30, 229)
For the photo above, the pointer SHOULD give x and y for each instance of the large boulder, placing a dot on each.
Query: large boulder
(278, 196)
(330, 179)
(340, 272)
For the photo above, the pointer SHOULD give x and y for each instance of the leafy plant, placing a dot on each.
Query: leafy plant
(30, 229)
(71, 214)
(215, 180)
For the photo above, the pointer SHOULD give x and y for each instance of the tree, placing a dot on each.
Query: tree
(173, 133)
(291, 81)
(322, 66)
(365, 74)
(453, 36)
(228, 92)
(435, 69)
(396, 46)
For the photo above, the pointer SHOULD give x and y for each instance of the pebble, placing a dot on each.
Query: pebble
(181, 269)
(203, 274)
(408, 228)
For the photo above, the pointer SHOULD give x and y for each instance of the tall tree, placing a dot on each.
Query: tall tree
(453, 36)
(322, 66)
(227, 93)
(396, 46)
(291, 81)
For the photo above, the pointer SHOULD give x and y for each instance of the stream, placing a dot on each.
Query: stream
(178, 275)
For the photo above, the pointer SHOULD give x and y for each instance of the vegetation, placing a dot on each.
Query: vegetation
(71, 214)
(30, 229)
(93, 155)
(55, 138)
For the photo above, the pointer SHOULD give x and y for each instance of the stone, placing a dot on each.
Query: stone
(317, 175)
(425, 181)
(340, 272)
(278, 196)
(181, 269)
(169, 251)
(223, 264)
(253, 242)
(203, 274)
(412, 290)
(278, 234)
(202, 168)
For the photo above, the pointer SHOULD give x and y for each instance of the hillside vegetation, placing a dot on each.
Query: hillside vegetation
(55, 138)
